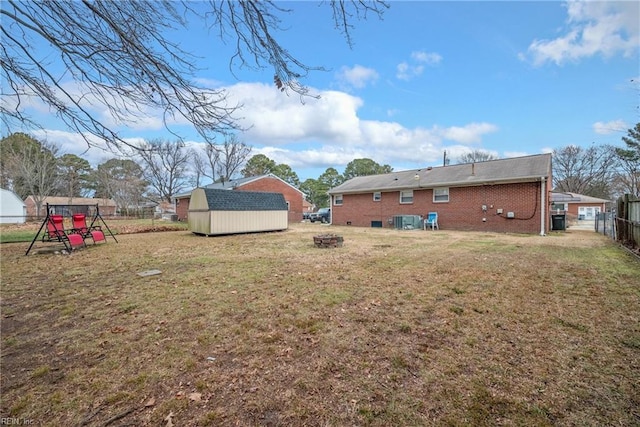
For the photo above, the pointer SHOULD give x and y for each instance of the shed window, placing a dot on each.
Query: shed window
(406, 196)
(441, 194)
(377, 196)
(337, 199)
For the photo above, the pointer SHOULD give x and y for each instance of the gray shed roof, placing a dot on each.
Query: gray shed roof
(224, 200)
(516, 169)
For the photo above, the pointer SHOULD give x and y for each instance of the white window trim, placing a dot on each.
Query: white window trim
(406, 191)
(379, 194)
(440, 201)
(336, 198)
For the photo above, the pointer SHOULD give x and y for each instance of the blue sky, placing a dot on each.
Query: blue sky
(512, 78)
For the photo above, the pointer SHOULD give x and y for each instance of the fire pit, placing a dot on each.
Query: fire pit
(328, 241)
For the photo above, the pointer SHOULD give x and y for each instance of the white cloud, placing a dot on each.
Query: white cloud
(606, 128)
(336, 134)
(319, 133)
(593, 27)
(406, 71)
(74, 143)
(273, 117)
(357, 76)
(510, 154)
(429, 58)
(328, 131)
(469, 134)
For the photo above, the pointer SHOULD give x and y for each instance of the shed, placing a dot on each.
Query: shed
(215, 212)
(266, 183)
(12, 208)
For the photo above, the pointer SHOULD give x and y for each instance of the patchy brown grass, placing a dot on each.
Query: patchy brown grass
(393, 328)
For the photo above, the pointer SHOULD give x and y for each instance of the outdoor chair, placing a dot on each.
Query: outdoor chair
(56, 233)
(55, 228)
(431, 221)
(80, 227)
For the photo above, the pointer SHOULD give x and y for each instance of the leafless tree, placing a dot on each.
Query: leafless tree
(199, 166)
(119, 54)
(232, 154)
(165, 166)
(121, 180)
(32, 167)
(476, 156)
(205, 161)
(587, 171)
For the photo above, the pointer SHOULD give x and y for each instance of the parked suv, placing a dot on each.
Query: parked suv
(323, 215)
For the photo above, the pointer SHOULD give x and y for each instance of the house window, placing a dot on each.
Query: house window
(377, 196)
(440, 195)
(558, 207)
(406, 196)
(337, 199)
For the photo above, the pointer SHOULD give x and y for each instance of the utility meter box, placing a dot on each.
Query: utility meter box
(511, 215)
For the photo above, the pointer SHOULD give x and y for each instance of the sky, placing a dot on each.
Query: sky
(511, 78)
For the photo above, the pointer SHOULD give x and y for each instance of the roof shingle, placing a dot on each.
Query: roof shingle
(517, 169)
(224, 200)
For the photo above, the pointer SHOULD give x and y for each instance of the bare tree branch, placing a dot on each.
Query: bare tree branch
(119, 56)
(165, 166)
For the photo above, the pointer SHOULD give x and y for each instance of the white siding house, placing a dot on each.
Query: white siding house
(12, 208)
(215, 212)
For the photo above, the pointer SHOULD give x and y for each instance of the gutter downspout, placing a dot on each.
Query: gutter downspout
(543, 206)
(330, 209)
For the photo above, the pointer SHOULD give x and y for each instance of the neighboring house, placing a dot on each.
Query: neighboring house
(12, 208)
(214, 212)
(70, 205)
(577, 206)
(506, 195)
(263, 183)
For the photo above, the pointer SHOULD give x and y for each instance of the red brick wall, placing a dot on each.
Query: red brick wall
(462, 212)
(274, 185)
(182, 208)
(573, 207)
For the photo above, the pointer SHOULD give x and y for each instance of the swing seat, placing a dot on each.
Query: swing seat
(98, 236)
(80, 227)
(75, 240)
(56, 233)
(55, 229)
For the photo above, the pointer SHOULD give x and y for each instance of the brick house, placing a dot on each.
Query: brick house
(263, 183)
(506, 195)
(577, 206)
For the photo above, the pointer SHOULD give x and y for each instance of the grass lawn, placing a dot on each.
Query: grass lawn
(395, 328)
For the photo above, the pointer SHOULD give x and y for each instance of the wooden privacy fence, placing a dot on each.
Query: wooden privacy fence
(628, 222)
